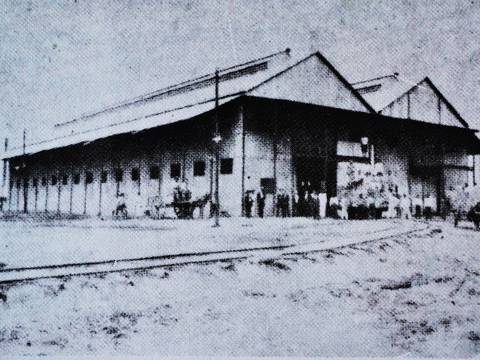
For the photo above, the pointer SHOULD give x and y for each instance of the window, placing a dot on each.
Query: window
(76, 179)
(226, 166)
(268, 185)
(35, 182)
(54, 180)
(64, 179)
(103, 177)
(154, 172)
(199, 168)
(135, 174)
(175, 170)
(44, 181)
(25, 182)
(118, 175)
(88, 178)
(369, 89)
(18, 183)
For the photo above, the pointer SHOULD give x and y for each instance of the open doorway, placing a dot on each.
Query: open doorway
(311, 174)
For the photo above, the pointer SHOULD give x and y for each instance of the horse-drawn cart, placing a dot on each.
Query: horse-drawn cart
(465, 205)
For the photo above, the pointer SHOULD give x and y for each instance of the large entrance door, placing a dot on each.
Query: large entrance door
(424, 183)
(311, 174)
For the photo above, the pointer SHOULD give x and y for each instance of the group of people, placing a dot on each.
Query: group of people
(251, 198)
(255, 200)
(371, 193)
(310, 203)
(384, 204)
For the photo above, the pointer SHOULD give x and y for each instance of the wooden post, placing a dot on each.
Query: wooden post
(36, 196)
(71, 188)
(160, 177)
(242, 121)
(211, 176)
(474, 180)
(275, 150)
(46, 192)
(408, 105)
(85, 194)
(23, 168)
(59, 186)
(100, 190)
(5, 164)
(139, 181)
(217, 151)
(292, 170)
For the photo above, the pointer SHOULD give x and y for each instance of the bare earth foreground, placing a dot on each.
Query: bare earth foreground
(416, 295)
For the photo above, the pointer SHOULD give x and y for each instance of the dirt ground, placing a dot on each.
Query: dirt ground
(414, 295)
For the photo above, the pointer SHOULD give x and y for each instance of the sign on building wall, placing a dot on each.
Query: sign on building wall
(350, 149)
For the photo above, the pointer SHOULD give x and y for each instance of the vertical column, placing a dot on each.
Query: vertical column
(71, 188)
(275, 154)
(242, 124)
(100, 190)
(59, 190)
(5, 170)
(46, 187)
(292, 170)
(85, 190)
(441, 193)
(35, 206)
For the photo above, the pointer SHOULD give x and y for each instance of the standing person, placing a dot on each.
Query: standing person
(309, 204)
(315, 205)
(121, 206)
(371, 205)
(248, 204)
(285, 204)
(362, 208)
(418, 205)
(260, 202)
(429, 205)
(295, 204)
(279, 203)
(391, 204)
(405, 205)
(322, 203)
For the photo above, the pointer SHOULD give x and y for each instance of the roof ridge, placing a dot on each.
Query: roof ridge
(394, 75)
(176, 87)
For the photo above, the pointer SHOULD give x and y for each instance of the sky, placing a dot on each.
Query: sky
(60, 59)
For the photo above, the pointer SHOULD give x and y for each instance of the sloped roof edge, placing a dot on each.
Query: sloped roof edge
(449, 105)
(330, 67)
(438, 93)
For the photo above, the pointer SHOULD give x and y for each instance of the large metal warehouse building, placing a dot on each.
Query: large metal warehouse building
(282, 122)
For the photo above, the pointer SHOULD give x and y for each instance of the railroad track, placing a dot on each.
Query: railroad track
(20, 274)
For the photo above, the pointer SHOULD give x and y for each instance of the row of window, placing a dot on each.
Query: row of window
(226, 167)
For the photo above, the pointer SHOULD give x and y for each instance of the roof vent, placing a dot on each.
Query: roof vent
(369, 89)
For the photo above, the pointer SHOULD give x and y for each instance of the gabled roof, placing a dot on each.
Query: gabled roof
(392, 95)
(192, 98)
(382, 90)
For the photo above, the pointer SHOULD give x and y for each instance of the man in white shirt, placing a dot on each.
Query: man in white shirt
(429, 206)
(405, 204)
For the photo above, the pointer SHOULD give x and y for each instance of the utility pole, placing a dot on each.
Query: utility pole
(24, 140)
(216, 139)
(24, 173)
(3, 193)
